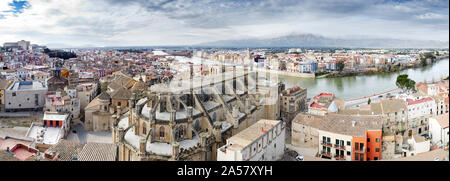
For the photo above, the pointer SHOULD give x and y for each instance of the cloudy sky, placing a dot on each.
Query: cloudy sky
(186, 22)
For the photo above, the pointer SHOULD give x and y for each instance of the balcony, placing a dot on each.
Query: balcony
(360, 150)
(339, 157)
(326, 144)
(338, 146)
(327, 154)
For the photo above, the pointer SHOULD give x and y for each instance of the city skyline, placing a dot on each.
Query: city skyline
(78, 23)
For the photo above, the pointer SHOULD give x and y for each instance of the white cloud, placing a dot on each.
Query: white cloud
(182, 22)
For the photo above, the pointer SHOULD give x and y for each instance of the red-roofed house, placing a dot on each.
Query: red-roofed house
(419, 110)
(323, 104)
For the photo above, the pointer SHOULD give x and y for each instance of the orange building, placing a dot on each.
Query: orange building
(367, 148)
(373, 142)
(359, 148)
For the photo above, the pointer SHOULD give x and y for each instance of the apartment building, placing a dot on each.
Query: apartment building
(262, 141)
(340, 137)
(293, 101)
(25, 96)
(394, 113)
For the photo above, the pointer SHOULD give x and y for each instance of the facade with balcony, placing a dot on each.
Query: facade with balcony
(335, 146)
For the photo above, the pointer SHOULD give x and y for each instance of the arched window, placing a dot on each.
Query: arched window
(119, 104)
(144, 128)
(161, 132)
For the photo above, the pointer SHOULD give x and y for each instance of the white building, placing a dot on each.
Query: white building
(420, 107)
(342, 143)
(262, 141)
(439, 130)
(64, 102)
(55, 127)
(25, 96)
(416, 144)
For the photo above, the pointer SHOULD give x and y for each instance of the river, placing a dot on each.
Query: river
(366, 85)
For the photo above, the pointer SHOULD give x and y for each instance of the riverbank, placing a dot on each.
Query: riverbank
(286, 73)
(360, 86)
(381, 69)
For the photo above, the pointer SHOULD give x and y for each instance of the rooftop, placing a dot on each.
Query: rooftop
(249, 135)
(27, 85)
(443, 120)
(434, 155)
(352, 125)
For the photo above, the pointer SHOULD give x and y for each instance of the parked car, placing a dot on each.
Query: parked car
(299, 158)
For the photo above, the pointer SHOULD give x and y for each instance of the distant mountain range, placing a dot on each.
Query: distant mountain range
(310, 40)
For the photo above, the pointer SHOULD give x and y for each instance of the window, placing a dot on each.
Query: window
(161, 132)
(377, 150)
(356, 146)
(368, 149)
(328, 140)
(337, 142)
(375, 158)
(361, 146)
(324, 139)
(356, 156)
(348, 143)
(13, 94)
(348, 153)
(377, 140)
(368, 139)
(144, 129)
(361, 157)
(119, 103)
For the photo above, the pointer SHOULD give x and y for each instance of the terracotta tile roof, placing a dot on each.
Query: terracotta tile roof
(341, 124)
(122, 93)
(66, 149)
(5, 156)
(443, 120)
(4, 83)
(104, 96)
(412, 102)
(393, 105)
(98, 152)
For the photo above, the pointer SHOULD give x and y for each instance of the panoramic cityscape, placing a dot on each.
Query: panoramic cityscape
(175, 80)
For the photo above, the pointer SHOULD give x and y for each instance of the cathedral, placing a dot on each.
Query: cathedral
(190, 119)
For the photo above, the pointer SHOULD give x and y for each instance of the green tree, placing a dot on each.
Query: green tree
(404, 83)
(369, 101)
(340, 66)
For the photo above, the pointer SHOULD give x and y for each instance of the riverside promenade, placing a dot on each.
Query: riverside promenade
(374, 97)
